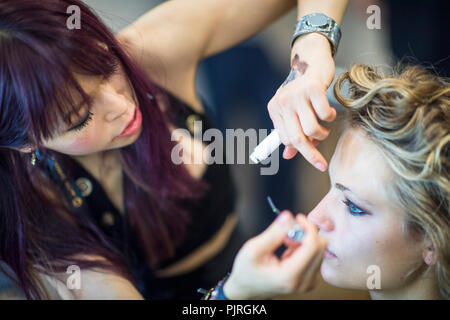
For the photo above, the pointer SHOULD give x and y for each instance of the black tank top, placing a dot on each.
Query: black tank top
(206, 217)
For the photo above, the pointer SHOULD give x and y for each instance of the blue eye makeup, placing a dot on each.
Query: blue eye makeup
(353, 209)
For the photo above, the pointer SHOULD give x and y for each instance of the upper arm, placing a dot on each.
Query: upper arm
(162, 43)
(183, 32)
(171, 39)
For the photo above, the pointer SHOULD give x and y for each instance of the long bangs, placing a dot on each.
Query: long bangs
(40, 57)
(46, 99)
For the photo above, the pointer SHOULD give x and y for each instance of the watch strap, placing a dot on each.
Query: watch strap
(320, 23)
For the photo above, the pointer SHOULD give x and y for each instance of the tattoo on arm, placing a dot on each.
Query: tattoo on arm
(292, 75)
(297, 67)
(301, 66)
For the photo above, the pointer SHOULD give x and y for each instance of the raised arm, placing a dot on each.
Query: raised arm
(335, 9)
(177, 34)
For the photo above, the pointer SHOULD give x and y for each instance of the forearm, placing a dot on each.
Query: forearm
(238, 20)
(335, 9)
(180, 33)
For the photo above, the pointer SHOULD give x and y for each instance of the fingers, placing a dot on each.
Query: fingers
(279, 125)
(310, 276)
(289, 152)
(273, 236)
(321, 106)
(274, 112)
(306, 148)
(310, 126)
(291, 123)
(314, 142)
(291, 247)
(312, 246)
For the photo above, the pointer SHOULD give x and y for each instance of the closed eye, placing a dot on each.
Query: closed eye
(83, 123)
(79, 126)
(353, 209)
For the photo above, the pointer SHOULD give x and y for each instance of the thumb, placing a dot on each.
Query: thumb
(274, 235)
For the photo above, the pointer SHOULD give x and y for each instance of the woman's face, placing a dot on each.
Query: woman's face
(112, 110)
(361, 221)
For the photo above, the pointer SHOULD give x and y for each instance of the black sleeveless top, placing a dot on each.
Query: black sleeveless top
(206, 217)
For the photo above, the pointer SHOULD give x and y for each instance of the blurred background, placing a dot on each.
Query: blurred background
(239, 82)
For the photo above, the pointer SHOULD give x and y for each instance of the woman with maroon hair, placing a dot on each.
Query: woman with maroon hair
(86, 176)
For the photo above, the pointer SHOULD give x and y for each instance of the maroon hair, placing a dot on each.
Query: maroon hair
(38, 54)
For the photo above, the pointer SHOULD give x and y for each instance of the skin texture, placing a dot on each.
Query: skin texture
(378, 238)
(300, 65)
(298, 68)
(113, 108)
(295, 108)
(209, 28)
(358, 173)
(301, 100)
(258, 273)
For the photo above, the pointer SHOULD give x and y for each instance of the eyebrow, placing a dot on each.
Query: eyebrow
(344, 188)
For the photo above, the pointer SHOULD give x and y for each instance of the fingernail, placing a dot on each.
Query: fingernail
(283, 219)
(320, 166)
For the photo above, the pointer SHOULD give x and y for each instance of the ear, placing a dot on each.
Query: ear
(429, 254)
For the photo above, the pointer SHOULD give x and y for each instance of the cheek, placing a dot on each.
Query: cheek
(395, 254)
(370, 242)
(354, 245)
(80, 145)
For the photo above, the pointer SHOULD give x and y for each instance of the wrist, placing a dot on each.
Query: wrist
(319, 23)
(314, 42)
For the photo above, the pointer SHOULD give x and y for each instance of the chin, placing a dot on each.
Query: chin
(331, 275)
(328, 274)
(345, 280)
(124, 142)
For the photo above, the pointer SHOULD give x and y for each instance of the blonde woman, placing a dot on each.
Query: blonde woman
(387, 210)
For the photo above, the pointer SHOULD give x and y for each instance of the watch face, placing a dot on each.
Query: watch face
(317, 21)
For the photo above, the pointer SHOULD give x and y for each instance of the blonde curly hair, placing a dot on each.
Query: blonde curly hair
(407, 115)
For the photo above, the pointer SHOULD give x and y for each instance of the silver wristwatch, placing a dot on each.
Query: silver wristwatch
(321, 23)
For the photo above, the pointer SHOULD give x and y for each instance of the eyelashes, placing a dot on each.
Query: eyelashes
(85, 123)
(353, 209)
(82, 125)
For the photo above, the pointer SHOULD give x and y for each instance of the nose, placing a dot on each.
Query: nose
(118, 103)
(321, 216)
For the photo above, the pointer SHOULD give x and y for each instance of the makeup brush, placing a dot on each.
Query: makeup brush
(296, 233)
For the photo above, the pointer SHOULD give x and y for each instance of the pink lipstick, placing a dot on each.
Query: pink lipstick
(134, 124)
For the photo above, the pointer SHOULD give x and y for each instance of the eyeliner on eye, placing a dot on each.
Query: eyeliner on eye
(353, 209)
(83, 123)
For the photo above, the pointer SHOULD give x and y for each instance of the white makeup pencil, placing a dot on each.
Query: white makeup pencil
(266, 147)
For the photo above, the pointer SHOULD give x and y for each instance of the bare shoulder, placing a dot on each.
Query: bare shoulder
(89, 284)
